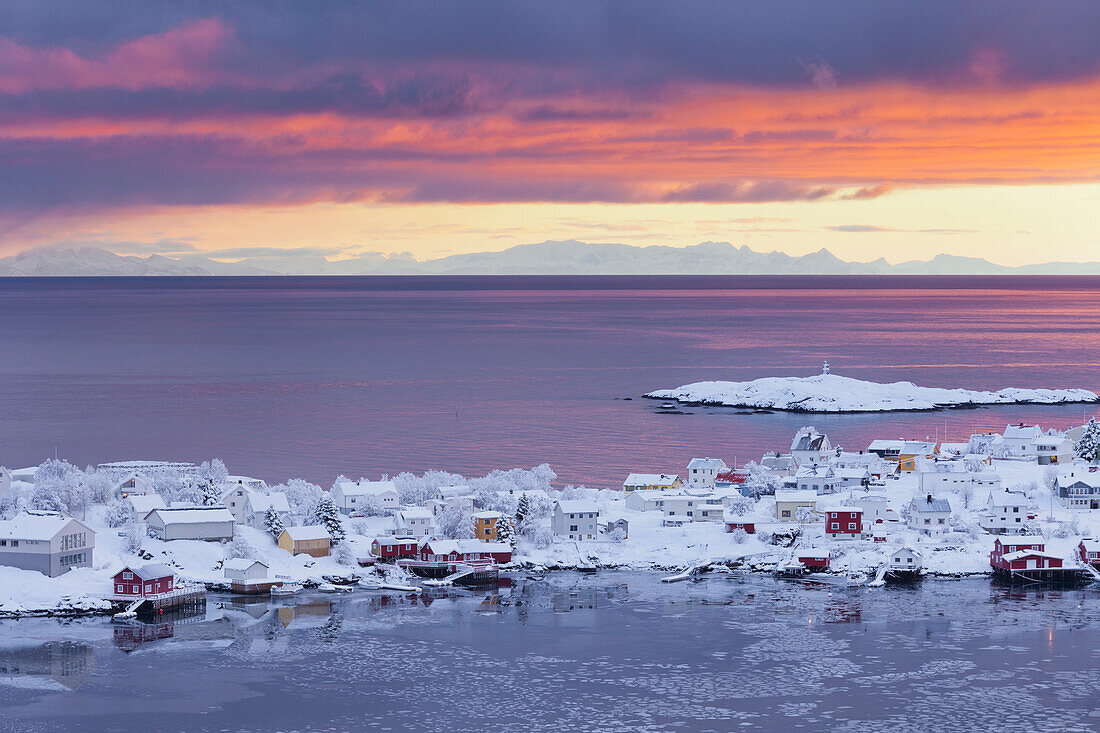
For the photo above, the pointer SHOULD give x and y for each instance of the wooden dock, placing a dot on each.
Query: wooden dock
(185, 598)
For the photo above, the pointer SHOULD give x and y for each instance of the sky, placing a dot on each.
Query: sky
(893, 129)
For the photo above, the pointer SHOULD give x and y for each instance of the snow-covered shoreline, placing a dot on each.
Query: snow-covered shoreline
(832, 393)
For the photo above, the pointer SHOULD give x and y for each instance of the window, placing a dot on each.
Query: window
(786, 513)
(941, 520)
(851, 525)
(572, 528)
(835, 525)
(121, 588)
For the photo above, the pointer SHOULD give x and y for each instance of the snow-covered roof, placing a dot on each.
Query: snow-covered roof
(577, 506)
(276, 500)
(488, 515)
(859, 472)
(145, 503)
(1083, 477)
(153, 570)
(193, 515)
(1022, 539)
(1007, 498)
(446, 547)
(814, 472)
(1091, 545)
(805, 495)
(1022, 432)
(880, 444)
(415, 512)
(453, 492)
(713, 464)
(35, 525)
(650, 479)
(308, 532)
(843, 508)
(366, 488)
(242, 563)
(931, 504)
(1021, 554)
(808, 439)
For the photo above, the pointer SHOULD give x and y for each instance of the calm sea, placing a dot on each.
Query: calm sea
(316, 377)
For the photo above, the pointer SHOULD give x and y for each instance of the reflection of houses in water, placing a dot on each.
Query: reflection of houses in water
(926, 628)
(129, 635)
(842, 610)
(66, 663)
(575, 599)
(255, 606)
(304, 612)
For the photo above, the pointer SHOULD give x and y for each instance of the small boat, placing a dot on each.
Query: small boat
(668, 406)
(370, 583)
(333, 588)
(403, 588)
(438, 583)
(286, 589)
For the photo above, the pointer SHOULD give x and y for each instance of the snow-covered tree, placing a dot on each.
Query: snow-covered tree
(301, 495)
(760, 481)
(117, 513)
(325, 513)
(344, 554)
(133, 536)
(617, 535)
(240, 547)
(273, 523)
(455, 522)
(1088, 447)
(740, 505)
(523, 508)
(805, 515)
(48, 496)
(505, 532)
(739, 536)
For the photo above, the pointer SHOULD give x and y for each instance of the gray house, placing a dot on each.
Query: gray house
(575, 520)
(212, 523)
(50, 542)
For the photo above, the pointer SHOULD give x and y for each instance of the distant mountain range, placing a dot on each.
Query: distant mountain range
(546, 258)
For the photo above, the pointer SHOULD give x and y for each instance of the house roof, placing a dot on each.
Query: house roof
(715, 464)
(34, 525)
(1022, 432)
(931, 505)
(650, 479)
(1021, 554)
(242, 563)
(1022, 539)
(1007, 498)
(145, 503)
(808, 440)
(152, 570)
(488, 515)
(416, 512)
(886, 445)
(193, 515)
(452, 492)
(805, 495)
(446, 547)
(366, 488)
(577, 506)
(843, 508)
(308, 532)
(277, 500)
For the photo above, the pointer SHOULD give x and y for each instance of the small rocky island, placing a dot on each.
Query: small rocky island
(827, 392)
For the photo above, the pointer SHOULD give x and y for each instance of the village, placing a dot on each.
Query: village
(1022, 505)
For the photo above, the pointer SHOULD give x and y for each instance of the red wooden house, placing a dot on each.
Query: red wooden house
(1089, 552)
(393, 548)
(813, 559)
(1026, 558)
(464, 550)
(148, 580)
(746, 527)
(844, 521)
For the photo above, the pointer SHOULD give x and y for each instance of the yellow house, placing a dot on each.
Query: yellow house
(652, 482)
(906, 453)
(313, 541)
(787, 504)
(485, 525)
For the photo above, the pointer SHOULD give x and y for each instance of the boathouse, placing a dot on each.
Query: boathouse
(393, 548)
(148, 580)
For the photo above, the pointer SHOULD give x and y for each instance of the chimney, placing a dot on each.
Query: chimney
(929, 499)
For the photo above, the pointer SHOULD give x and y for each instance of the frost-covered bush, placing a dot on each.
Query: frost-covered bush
(415, 489)
(540, 537)
(760, 481)
(617, 535)
(301, 495)
(739, 505)
(371, 507)
(344, 554)
(240, 547)
(576, 492)
(455, 522)
(133, 538)
(739, 536)
(117, 513)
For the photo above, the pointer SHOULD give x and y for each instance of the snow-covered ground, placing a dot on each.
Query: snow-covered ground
(834, 393)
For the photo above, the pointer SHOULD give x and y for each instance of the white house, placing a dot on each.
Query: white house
(850, 477)
(211, 523)
(709, 513)
(1005, 513)
(575, 519)
(789, 502)
(929, 515)
(703, 472)
(1051, 448)
(50, 542)
(809, 446)
(937, 475)
(875, 508)
(1079, 487)
(445, 493)
(234, 498)
(644, 501)
(244, 569)
(256, 506)
(141, 504)
(681, 506)
(818, 478)
(1019, 438)
(131, 484)
(353, 496)
(905, 559)
(413, 521)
